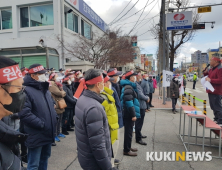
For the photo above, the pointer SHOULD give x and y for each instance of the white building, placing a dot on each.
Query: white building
(199, 57)
(24, 22)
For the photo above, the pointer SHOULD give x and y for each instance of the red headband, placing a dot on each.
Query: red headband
(145, 75)
(9, 74)
(83, 86)
(112, 72)
(36, 69)
(215, 59)
(127, 74)
(52, 75)
(67, 71)
(106, 79)
(67, 78)
(77, 73)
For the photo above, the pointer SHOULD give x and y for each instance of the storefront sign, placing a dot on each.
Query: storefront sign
(91, 15)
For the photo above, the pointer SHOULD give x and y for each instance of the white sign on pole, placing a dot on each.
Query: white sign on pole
(167, 77)
(179, 20)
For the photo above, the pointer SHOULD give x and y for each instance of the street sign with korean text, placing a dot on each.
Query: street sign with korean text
(179, 20)
(204, 9)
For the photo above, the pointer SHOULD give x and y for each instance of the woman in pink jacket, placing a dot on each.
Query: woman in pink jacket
(154, 83)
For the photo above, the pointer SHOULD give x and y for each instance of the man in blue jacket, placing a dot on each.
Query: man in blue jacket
(39, 118)
(131, 109)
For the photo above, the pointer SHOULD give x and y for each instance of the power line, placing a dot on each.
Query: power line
(139, 17)
(130, 15)
(146, 16)
(127, 12)
(143, 33)
(136, 21)
(121, 12)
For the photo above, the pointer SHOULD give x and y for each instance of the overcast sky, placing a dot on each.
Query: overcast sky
(108, 10)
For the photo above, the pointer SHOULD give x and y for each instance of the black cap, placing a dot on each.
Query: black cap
(61, 69)
(22, 68)
(51, 69)
(36, 65)
(118, 73)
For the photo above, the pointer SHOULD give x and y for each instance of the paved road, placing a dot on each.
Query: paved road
(200, 93)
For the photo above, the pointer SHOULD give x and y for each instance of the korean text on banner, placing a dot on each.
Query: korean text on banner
(167, 77)
(179, 20)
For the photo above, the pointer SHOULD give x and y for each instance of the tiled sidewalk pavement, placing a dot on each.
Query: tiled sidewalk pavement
(158, 102)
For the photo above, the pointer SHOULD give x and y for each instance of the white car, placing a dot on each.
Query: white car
(190, 77)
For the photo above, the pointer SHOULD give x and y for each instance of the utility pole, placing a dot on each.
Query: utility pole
(160, 48)
(167, 58)
(164, 44)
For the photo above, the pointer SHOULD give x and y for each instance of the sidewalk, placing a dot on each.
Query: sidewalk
(162, 128)
(157, 102)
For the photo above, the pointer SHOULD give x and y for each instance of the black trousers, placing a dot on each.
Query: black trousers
(128, 133)
(151, 97)
(174, 102)
(216, 106)
(139, 125)
(66, 119)
(184, 92)
(194, 84)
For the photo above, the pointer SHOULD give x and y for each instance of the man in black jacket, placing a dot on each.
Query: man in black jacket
(12, 100)
(67, 118)
(92, 129)
(112, 72)
(39, 118)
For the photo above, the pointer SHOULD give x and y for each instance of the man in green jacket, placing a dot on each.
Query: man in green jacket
(194, 80)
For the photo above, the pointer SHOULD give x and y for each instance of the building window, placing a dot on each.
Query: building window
(86, 30)
(34, 16)
(71, 21)
(5, 19)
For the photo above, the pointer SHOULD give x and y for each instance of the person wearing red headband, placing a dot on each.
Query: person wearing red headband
(115, 75)
(39, 117)
(131, 109)
(111, 111)
(58, 94)
(70, 101)
(215, 78)
(12, 99)
(112, 72)
(92, 129)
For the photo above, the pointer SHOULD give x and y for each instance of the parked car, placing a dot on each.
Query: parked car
(190, 77)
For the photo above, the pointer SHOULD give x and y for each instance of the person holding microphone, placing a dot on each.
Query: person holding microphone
(215, 78)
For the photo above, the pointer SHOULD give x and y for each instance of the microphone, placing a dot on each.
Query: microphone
(206, 67)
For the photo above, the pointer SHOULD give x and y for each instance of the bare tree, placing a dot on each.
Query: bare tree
(110, 48)
(179, 37)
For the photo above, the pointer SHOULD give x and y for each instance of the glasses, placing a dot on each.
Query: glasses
(22, 87)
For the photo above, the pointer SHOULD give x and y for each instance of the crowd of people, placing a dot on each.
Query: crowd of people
(39, 108)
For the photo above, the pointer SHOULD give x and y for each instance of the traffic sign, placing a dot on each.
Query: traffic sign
(198, 26)
(179, 20)
(204, 9)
